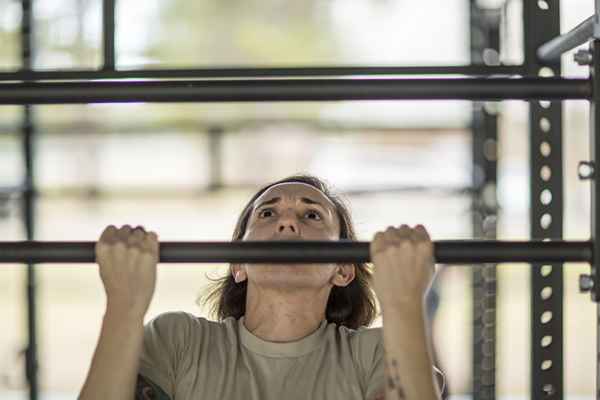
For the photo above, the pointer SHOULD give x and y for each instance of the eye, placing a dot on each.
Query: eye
(316, 213)
(261, 213)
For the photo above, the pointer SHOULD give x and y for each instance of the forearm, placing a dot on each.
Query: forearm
(409, 373)
(115, 363)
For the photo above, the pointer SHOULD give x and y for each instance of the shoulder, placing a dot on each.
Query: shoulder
(364, 344)
(186, 326)
(363, 337)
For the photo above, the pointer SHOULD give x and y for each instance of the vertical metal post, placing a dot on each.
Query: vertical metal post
(215, 139)
(485, 49)
(541, 23)
(108, 33)
(31, 363)
(595, 192)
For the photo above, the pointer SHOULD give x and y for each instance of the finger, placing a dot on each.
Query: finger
(109, 234)
(404, 232)
(392, 235)
(150, 243)
(421, 233)
(137, 236)
(378, 243)
(124, 233)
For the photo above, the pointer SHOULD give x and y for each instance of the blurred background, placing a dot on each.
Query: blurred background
(186, 170)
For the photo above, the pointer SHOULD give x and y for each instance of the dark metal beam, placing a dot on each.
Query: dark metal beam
(449, 251)
(261, 72)
(541, 21)
(553, 49)
(294, 90)
(108, 34)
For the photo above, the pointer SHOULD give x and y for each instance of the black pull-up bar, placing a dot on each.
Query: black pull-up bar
(255, 90)
(447, 252)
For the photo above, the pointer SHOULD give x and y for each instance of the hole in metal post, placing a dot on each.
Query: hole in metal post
(549, 389)
(545, 149)
(545, 103)
(546, 341)
(546, 221)
(546, 197)
(546, 365)
(545, 173)
(546, 270)
(543, 5)
(546, 293)
(545, 72)
(546, 317)
(545, 124)
(491, 57)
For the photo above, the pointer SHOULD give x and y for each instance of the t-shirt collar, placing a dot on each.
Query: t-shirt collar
(274, 349)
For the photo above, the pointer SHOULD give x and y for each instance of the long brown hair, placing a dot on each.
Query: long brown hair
(352, 306)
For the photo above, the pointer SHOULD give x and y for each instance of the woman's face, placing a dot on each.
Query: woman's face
(292, 211)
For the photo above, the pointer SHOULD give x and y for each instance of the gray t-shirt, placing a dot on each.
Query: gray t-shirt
(193, 358)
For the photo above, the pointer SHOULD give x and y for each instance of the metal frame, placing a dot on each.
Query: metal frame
(546, 215)
(29, 87)
(594, 281)
(485, 37)
(293, 90)
(28, 204)
(252, 72)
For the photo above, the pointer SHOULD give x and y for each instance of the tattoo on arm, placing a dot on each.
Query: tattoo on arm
(393, 379)
(145, 389)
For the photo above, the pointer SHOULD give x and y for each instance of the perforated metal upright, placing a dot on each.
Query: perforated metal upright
(542, 23)
(485, 49)
(595, 191)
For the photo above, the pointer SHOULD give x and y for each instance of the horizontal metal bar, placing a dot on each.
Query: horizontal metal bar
(274, 72)
(582, 33)
(450, 252)
(293, 90)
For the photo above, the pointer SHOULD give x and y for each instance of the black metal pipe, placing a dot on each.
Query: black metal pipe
(28, 202)
(552, 50)
(108, 33)
(448, 252)
(262, 72)
(293, 90)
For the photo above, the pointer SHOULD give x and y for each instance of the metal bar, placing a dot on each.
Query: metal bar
(448, 251)
(264, 72)
(542, 22)
(108, 33)
(582, 33)
(28, 132)
(485, 37)
(294, 90)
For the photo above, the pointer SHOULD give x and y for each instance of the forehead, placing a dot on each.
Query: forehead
(294, 190)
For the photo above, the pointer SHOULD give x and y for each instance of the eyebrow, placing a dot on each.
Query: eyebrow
(304, 200)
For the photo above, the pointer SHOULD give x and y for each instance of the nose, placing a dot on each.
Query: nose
(288, 224)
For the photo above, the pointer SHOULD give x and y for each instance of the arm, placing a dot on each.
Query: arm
(404, 268)
(408, 365)
(113, 372)
(127, 259)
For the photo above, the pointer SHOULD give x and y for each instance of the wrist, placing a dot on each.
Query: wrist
(410, 306)
(126, 314)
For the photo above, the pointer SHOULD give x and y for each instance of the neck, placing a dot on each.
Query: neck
(284, 316)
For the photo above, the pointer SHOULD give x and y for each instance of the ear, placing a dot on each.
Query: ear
(238, 272)
(344, 274)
